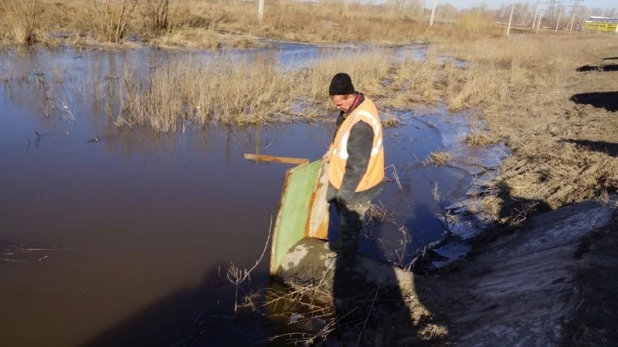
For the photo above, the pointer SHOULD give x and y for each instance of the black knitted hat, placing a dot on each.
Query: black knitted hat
(341, 84)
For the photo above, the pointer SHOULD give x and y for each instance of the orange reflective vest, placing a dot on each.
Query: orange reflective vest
(365, 112)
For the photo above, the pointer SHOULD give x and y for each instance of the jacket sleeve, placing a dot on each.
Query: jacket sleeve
(359, 147)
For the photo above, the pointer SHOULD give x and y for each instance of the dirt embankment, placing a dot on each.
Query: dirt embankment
(547, 284)
(520, 289)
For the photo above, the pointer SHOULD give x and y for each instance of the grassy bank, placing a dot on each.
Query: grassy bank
(220, 23)
(563, 152)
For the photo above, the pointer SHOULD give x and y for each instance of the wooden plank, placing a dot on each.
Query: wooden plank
(294, 207)
(272, 158)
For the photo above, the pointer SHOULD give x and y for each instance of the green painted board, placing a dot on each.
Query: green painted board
(294, 206)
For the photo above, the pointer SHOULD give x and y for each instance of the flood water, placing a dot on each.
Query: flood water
(126, 240)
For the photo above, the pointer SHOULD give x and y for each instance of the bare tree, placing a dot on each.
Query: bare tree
(156, 14)
(112, 17)
(22, 16)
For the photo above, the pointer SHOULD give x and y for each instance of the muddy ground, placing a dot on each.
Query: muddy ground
(546, 284)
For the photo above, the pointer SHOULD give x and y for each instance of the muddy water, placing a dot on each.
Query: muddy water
(126, 240)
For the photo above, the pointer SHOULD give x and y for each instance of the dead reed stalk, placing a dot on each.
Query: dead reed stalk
(238, 276)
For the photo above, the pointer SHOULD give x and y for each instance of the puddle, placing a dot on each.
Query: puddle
(148, 223)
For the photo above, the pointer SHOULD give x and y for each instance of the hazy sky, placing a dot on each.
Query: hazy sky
(496, 3)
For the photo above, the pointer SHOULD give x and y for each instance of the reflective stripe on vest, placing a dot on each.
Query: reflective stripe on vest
(369, 119)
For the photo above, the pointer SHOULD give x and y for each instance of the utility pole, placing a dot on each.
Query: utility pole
(583, 20)
(433, 12)
(551, 8)
(508, 28)
(538, 25)
(261, 10)
(558, 22)
(536, 12)
(575, 6)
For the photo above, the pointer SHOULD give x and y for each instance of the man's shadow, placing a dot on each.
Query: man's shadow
(606, 100)
(597, 146)
(376, 303)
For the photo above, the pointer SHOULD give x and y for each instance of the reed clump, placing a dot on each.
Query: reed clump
(440, 157)
(239, 91)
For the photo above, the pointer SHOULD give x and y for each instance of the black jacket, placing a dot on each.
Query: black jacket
(359, 147)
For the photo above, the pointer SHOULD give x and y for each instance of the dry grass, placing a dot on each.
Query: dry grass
(499, 70)
(203, 38)
(478, 136)
(391, 121)
(439, 157)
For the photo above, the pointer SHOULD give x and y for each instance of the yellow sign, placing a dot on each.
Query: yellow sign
(603, 27)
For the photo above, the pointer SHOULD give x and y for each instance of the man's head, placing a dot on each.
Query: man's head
(341, 91)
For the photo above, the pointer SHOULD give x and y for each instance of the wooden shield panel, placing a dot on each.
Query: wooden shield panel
(295, 207)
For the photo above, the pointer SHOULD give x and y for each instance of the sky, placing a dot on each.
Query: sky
(496, 3)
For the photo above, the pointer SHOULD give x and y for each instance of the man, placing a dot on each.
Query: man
(356, 160)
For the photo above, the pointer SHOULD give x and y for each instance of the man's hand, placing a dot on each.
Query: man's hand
(326, 157)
